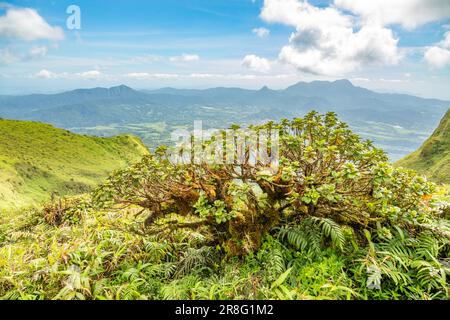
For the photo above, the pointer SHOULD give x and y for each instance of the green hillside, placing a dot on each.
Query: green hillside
(333, 220)
(433, 157)
(38, 160)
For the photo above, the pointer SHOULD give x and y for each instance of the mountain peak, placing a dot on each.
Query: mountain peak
(121, 88)
(343, 83)
(313, 86)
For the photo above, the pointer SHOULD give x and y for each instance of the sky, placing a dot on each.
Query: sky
(398, 46)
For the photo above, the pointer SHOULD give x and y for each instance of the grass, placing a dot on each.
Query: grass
(433, 157)
(38, 160)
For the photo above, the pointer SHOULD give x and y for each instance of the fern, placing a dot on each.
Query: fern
(305, 238)
(193, 259)
(428, 246)
(308, 236)
(430, 274)
(331, 230)
(276, 263)
(374, 276)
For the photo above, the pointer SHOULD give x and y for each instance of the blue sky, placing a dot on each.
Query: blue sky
(200, 43)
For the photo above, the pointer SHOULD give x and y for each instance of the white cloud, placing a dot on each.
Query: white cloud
(8, 57)
(205, 75)
(185, 58)
(256, 63)
(261, 32)
(87, 75)
(137, 75)
(325, 42)
(446, 41)
(46, 74)
(38, 52)
(296, 12)
(408, 13)
(437, 57)
(90, 75)
(26, 24)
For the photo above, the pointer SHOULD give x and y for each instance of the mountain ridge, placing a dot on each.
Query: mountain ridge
(122, 88)
(395, 122)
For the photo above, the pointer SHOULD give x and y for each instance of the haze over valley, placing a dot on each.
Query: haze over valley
(396, 123)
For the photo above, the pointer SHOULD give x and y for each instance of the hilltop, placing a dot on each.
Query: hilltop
(433, 157)
(38, 160)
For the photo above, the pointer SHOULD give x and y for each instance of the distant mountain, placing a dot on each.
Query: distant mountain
(38, 160)
(433, 157)
(397, 123)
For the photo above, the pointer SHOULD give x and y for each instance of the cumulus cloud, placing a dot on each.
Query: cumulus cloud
(137, 75)
(261, 32)
(325, 41)
(256, 63)
(87, 75)
(407, 13)
(446, 41)
(185, 58)
(90, 75)
(46, 74)
(26, 24)
(296, 12)
(437, 57)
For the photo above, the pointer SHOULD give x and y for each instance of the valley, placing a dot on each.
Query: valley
(396, 123)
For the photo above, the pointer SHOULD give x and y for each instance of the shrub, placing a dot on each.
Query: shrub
(332, 220)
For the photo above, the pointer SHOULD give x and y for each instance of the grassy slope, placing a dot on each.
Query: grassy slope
(37, 160)
(433, 157)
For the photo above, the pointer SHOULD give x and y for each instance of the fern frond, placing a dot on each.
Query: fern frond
(331, 230)
(194, 258)
(305, 237)
(427, 246)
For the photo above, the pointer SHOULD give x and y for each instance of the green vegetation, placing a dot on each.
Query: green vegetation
(333, 220)
(152, 134)
(38, 160)
(433, 157)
